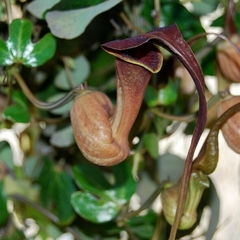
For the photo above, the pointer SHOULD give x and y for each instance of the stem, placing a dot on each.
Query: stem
(130, 233)
(36, 206)
(9, 96)
(229, 25)
(129, 23)
(158, 227)
(9, 10)
(44, 212)
(157, 17)
(183, 118)
(39, 104)
(204, 51)
(144, 206)
(190, 117)
(68, 72)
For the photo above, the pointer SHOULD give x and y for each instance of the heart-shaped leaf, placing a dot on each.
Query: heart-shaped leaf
(19, 48)
(39, 7)
(72, 23)
(99, 201)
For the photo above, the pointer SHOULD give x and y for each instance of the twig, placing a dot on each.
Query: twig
(39, 104)
(129, 23)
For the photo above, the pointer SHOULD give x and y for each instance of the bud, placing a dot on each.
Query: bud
(228, 59)
(198, 182)
(231, 129)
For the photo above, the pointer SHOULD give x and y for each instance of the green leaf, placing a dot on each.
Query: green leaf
(56, 196)
(96, 209)
(63, 137)
(99, 201)
(143, 226)
(19, 48)
(5, 57)
(72, 23)
(151, 142)
(39, 7)
(6, 155)
(175, 12)
(18, 112)
(204, 7)
(151, 96)
(168, 95)
(3, 205)
(79, 73)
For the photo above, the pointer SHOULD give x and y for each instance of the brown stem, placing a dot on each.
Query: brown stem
(229, 24)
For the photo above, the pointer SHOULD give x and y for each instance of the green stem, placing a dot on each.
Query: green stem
(44, 212)
(39, 104)
(68, 72)
(129, 23)
(190, 117)
(144, 206)
(157, 17)
(36, 206)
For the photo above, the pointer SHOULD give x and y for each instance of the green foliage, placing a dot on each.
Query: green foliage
(3, 205)
(19, 48)
(99, 201)
(56, 189)
(72, 23)
(18, 112)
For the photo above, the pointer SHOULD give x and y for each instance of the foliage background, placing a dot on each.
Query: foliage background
(47, 187)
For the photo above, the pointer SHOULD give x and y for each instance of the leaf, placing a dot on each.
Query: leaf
(6, 155)
(63, 137)
(143, 226)
(151, 143)
(174, 12)
(69, 5)
(19, 48)
(99, 201)
(168, 95)
(3, 205)
(204, 7)
(18, 112)
(72, 23)
(38, 7)
(56, 196)
(151, 96)
(96, 209)
(79, 73)
(170, 167)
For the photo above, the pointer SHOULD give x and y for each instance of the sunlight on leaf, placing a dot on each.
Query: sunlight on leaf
(39, 7)
(72, 23)
(99, 201)
(19, 48)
